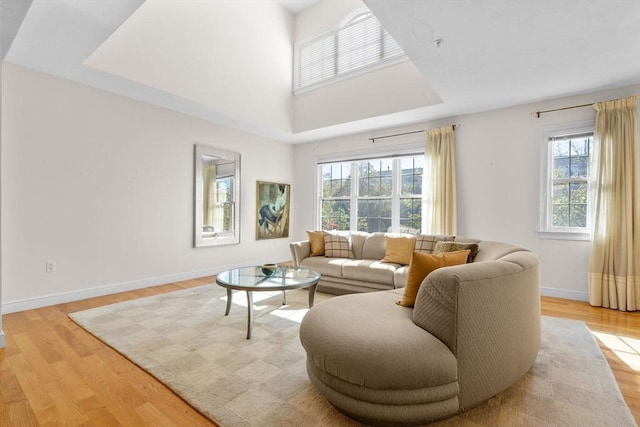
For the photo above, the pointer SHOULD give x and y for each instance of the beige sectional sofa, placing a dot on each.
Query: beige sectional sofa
(366, 271)
(473, 332)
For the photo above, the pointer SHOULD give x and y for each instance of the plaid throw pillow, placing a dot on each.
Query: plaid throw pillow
(337, 246)
(427, 243)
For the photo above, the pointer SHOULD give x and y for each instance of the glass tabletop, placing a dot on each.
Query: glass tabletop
(253, 279)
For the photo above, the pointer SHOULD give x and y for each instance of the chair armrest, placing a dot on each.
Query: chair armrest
(299, 251)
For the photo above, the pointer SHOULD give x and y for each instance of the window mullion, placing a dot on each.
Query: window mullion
(353, 220)
(395, 195)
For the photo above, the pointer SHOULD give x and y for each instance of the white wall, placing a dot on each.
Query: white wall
(103, 185)
(498, 176)
(1, 331)
(389, 90)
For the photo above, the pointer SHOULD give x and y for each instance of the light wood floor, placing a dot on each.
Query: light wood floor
(53, 373)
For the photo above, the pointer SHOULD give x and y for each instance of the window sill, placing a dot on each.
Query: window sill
(350, 74)
(564, 235)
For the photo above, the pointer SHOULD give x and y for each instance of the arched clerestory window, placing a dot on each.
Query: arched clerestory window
(359, 44)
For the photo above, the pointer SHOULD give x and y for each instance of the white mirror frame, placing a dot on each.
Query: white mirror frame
(199, 240)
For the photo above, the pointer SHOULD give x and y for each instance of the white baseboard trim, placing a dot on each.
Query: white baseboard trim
(563, 293)
(47, 300)
(53, 299)
(1, 339)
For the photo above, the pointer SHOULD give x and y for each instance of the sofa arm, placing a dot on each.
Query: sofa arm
(299, 251)
(450, 295)
(488, 314)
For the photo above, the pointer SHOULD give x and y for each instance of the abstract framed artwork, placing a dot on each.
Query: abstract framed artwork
(272, 210)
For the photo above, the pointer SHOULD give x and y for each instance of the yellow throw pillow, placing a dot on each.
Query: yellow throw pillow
(316, 242)
(399, 249)
(421, 265)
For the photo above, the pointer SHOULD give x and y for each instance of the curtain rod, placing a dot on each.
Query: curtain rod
(373, 140)
(537, 113)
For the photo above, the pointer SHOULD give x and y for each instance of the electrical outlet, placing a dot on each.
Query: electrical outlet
(50, 266)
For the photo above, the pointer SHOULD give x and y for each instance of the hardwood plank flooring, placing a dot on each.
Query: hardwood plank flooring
(52, 372)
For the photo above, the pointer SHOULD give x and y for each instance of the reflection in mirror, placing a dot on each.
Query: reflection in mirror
(217, 188)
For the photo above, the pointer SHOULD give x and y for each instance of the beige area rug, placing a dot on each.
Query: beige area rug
(184, 339)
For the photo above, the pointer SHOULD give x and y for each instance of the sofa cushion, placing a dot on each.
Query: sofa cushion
(374, 246)
(400, 276)
(337, 246)
(316, 242)
(327, 267)
(357, 242)
(489, 250)
(368, 270)
(426, 242)
(398, 249)
(367, 341)
(442, 247)
(421, 265)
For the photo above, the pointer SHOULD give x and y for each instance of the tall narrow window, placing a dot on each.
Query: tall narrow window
(359, 45)
(566, 197)
(383, 194)
(336, 196)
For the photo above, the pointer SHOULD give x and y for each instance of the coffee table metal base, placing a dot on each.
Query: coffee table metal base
(312, 294)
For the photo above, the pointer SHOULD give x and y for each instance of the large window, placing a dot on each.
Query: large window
(358, 45)
(383, 194)
(566, 194)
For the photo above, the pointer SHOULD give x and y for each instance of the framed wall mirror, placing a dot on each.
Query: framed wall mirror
(216, 196)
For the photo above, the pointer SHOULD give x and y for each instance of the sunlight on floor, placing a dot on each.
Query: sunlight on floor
(285, 311)
(627, 349)
(240, 298)
(290, 314)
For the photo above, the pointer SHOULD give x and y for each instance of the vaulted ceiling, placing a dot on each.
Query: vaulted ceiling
(491, 54)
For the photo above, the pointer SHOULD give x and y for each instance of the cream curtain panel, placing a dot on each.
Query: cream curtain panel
(440, 182)
(614, 268)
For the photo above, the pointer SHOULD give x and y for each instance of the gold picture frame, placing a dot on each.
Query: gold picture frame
(272, 210)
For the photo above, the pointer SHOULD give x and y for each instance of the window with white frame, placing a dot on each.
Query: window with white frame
(358, 45)
(382, 194)
(566, 210)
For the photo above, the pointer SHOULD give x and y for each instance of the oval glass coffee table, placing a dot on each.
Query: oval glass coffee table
(252, 279)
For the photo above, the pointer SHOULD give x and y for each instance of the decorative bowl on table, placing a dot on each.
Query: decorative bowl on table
(269, 269)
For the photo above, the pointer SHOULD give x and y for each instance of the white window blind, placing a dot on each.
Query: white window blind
(357, 45)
